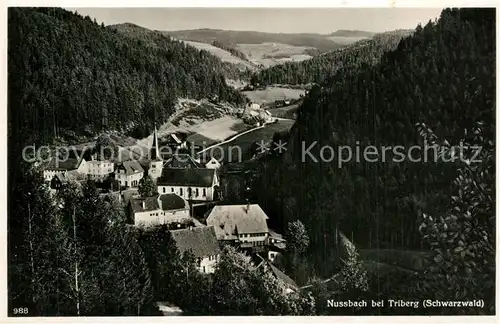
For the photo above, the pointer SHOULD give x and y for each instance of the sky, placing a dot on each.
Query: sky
(273, 20)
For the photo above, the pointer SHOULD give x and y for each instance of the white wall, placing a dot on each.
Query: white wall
(184, 193)
(212, 164)
(155, 169)
(249, 238)
(157, 217)
(208, 265)
(99, 170)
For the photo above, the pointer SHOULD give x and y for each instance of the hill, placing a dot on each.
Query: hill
(76, 77)
(317, 69)
(443, 75)
(317, 41)
(234, 67)
(352, 33)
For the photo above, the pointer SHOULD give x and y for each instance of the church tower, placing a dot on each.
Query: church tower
(156, 164)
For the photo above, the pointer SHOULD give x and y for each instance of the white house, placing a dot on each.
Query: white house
(129, 173)
(191, 184)
(240, 223)
(160, 209)
(99, 170)
(213, 163)
(62, 166)
(202, 242)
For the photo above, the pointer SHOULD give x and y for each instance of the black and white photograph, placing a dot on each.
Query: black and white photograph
(212, 161)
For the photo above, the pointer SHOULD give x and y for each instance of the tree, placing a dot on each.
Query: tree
(240, 288)
(463, 239)
(353, 275)
(147, 187)
(296, 237)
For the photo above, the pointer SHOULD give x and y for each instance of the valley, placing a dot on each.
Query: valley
(233, 219)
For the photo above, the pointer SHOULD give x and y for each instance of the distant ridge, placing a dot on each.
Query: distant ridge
(352, 33)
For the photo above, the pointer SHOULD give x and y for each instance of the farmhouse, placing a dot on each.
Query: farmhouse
(157, 210)
(240, 223)
(202, 242)
(191, 184)
(129, 173)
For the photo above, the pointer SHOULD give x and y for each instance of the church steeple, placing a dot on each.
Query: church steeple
(155, 154)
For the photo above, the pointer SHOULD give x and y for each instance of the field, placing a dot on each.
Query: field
(217, 130)
(239, 149)
(270, 94)
(269, 54)
(287, 112)
(225, 56)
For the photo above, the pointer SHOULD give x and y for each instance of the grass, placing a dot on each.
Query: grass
(239, 149)
(271, 94)
(285, 112)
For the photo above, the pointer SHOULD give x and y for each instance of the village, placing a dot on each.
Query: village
(187, 198)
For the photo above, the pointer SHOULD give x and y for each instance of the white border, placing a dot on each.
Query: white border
(213, 3)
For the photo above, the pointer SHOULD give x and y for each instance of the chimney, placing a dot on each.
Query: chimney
(143, 204)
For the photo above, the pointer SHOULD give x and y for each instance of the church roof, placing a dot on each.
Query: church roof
(187, 177)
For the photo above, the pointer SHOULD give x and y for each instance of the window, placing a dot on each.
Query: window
(180, 191)
(204, 192)
(172, 189)
(197, 192)
(153, 166)
(164, 189)
(204, 269)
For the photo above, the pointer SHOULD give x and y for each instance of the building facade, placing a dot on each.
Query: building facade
(158, 210)
(129, 173)
(191, 184)
(246, 224)
(202, 243)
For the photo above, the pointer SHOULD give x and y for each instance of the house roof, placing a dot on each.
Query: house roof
(61, 164)
(200, 240)
(265, 264)
(129, 195)
(276, 235)
(228, 220)
(131, 167)
(282, 276)
(181, 161)
(172, 201)
(150, 203)
(187, 177)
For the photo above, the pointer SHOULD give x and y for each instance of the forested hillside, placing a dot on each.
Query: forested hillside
(321, 66)
(158, 40)
(70, 76)
(443, 76)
